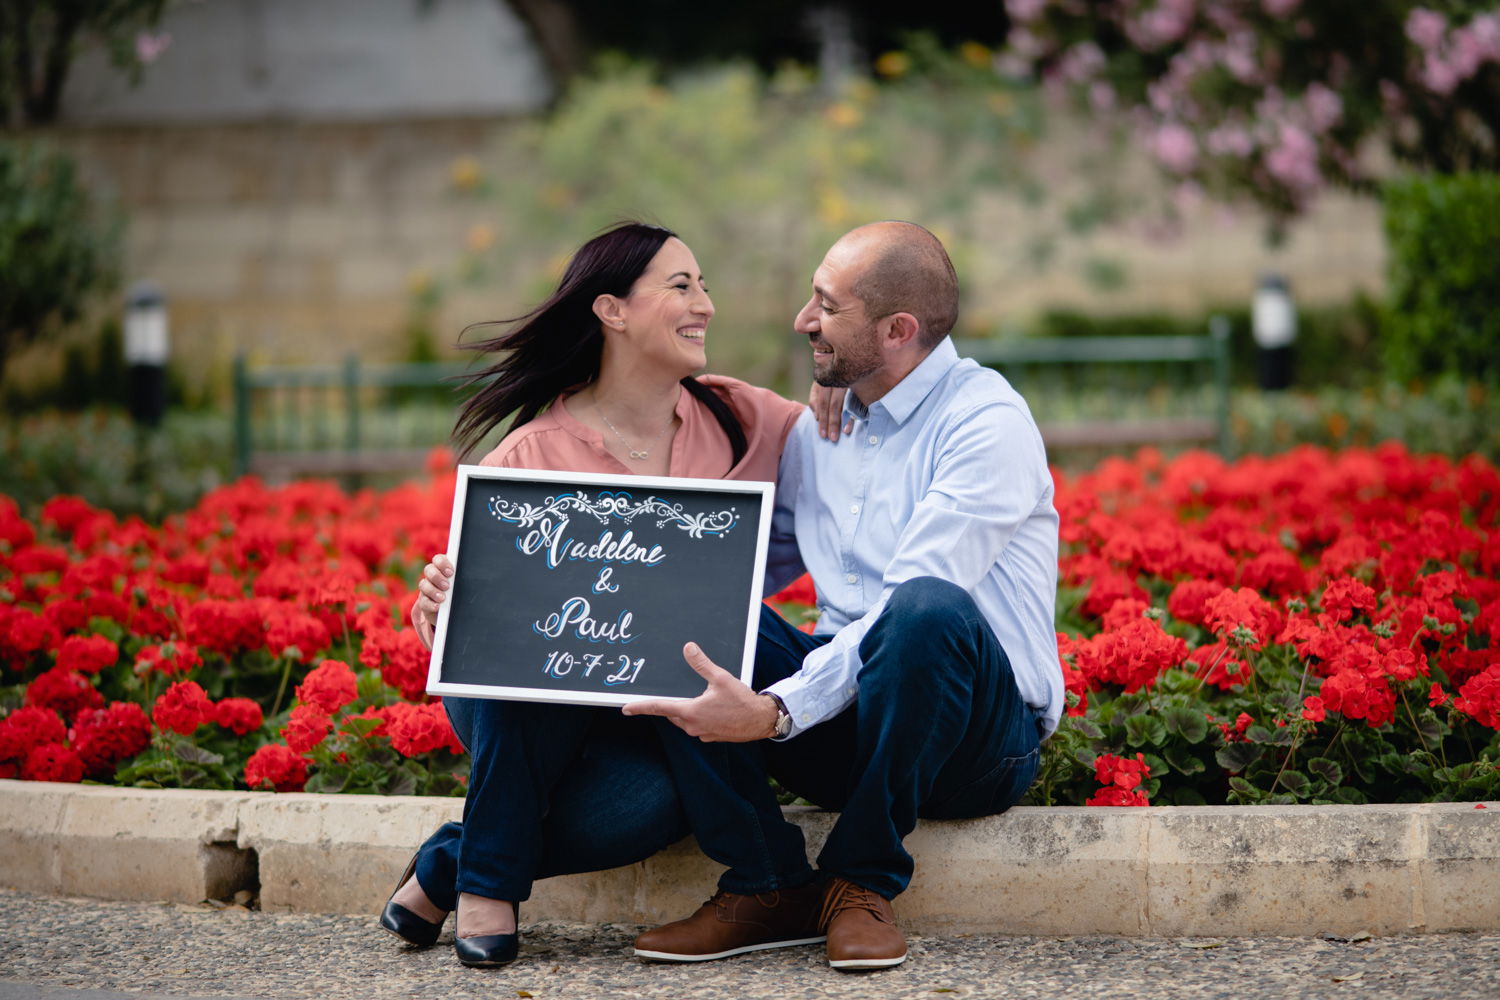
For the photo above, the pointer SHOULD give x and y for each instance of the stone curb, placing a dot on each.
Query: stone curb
(1174, 871)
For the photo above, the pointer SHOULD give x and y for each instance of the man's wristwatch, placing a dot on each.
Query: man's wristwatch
(783, 727)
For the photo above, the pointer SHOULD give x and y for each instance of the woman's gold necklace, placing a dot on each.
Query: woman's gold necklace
(640, 455)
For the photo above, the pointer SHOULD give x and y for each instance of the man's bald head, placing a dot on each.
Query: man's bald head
(904, 268)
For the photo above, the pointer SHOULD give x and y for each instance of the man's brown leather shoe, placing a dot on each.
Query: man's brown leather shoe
(861, 928)
(731, 924)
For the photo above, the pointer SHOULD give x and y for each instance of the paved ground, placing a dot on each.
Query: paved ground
(73, 949)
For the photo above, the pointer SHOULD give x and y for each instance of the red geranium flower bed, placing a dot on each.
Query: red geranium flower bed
(1311, 627)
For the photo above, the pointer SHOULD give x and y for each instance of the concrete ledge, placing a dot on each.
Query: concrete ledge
(1210, 870)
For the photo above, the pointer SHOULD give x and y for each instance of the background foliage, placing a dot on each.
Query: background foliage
(58, 249)
(1444, 239)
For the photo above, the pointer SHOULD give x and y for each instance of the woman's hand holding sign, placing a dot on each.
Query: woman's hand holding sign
(728, 711)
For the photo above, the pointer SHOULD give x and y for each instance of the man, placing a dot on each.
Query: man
(932, 677)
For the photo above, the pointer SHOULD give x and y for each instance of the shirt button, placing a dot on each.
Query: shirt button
(852, 578)
(854, 508)
(874, 438)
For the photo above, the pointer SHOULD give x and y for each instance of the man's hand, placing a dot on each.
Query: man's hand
(728, 712)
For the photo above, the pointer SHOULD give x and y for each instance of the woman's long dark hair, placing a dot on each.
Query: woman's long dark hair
(559, 345)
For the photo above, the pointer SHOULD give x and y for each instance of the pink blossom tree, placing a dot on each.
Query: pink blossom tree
(1275, 99)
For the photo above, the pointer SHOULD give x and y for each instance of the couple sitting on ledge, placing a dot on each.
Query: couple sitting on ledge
(931, 538)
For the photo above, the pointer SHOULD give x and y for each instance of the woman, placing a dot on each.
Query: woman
(599, 378)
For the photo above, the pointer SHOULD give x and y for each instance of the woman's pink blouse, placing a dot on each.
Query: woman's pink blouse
(558, 442)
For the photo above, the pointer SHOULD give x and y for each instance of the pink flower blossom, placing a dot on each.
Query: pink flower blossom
(1438, 75)
(1175, 148)
(1024, 10)
(1229, 140)
(1426, 28)
(149, 47)
(1324, 107)
(1294, 161)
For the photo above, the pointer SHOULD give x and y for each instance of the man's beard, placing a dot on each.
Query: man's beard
(851, 363)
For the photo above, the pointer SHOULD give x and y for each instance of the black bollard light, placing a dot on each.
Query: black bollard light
(1273, 324)
(146, 344)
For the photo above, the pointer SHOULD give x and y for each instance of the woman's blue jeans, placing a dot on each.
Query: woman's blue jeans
(939, 731)
(553, 790)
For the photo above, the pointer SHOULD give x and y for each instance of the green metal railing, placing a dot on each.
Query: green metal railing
(1132, 369)
(313, 419)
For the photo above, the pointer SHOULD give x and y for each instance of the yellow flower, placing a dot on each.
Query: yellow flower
(843, 115)
(464, 174)
(419, 282)
(893, 64)
(833, 207)
(975, 55)
(480, 237)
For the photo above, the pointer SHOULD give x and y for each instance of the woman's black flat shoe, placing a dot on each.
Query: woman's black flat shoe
(405, 924)
(489, 950)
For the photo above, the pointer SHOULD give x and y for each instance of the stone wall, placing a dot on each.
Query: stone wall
(300, 241)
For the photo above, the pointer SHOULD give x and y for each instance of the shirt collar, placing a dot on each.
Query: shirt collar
(904, 398)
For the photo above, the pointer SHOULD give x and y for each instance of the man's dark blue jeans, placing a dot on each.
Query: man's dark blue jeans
(938, 731)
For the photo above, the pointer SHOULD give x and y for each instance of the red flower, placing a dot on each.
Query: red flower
(103, 737)
(1312, 709)
(67, 691)
(1355, 696)
(1113, 796)
(27, 632)
(799, 591)
(277, 766)
(1480, 697)
(1436, 695)
(1123, 612)
(1345, 596)
(182, 708)
(1133, 655)
(330, 686)
(289, 628)
(52, 762)
(238, 715)
(87, 654)
(400, 657)
(1242, 617)
(168, 658)
(1122, 778)
(1187, 600)
(27, 728)
(226, 627)
(306, 728)
(418, 729)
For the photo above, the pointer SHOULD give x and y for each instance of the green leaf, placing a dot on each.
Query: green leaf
(1145, 730)
(1259, 734)
(1236, 757)
(1295, 782)
(1348, 795)
(1186, 722)
(195, 754)
(1184, 761)
(1327, 769)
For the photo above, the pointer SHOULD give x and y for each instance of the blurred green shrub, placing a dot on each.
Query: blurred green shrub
(58, 249)
(1335, 343)
(759, 175)
(100, 455)
(1443, 277)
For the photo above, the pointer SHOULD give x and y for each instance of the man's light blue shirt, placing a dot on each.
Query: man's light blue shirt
(945, 476)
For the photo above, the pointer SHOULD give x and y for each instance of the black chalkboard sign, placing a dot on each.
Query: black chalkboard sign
(572, 587)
